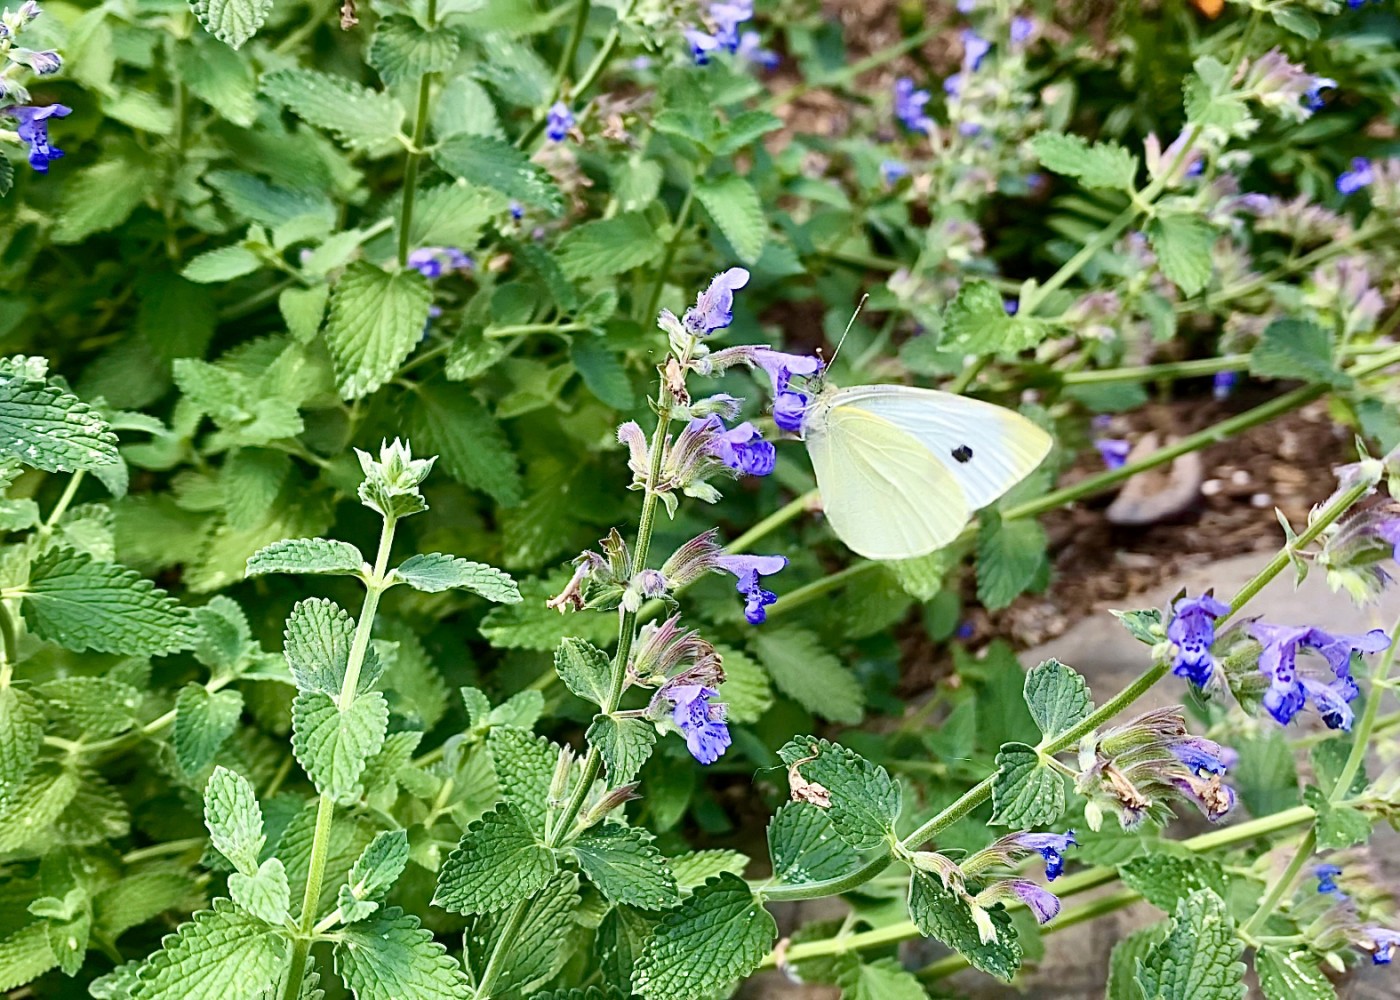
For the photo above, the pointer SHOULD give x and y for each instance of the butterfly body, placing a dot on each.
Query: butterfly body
(901, 470)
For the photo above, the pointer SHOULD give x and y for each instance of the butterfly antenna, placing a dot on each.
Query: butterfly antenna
(849, 323)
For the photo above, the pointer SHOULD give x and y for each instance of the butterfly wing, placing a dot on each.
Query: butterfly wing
(987, 449)
(884, 494)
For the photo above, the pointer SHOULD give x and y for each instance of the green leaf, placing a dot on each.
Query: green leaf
(626, 868)
(524, 766)
(496, 862)
(138, 898)
(865, 801)
(52, 430)
(21, 735)
(540, 946)
(884, 979)
(203, 720)
(940, 914)
(1010, 557)
(1296, 349)
(234, 818)
(715, 937)
(1337, 826)
(332, 745)
(316, 643)
(804, 669)
(231, 21)
(307, 555)
(805, 846)
(745, 691)
(1025, 792)
(404, 50)
(25, 955)
(215, 948)
(1291, 976)
(493, 163)
(976, 323)
(1123, 961)
(447, 419)
(625, 745)
(392, 956)
(1058, 697)
(376, 319)
(1265, 776)
(585, 669)
(603, 372)
(1164, 880)
(1183, 245)
(99, 198)
(303, 309)
(1145, 626)
(609, 246)
(379, 866)
(221, 264)
(265, 894)
(1102, 165)
(1199, 960)
(359, 117)
(220, 78)
(435, 572)
(733, 204)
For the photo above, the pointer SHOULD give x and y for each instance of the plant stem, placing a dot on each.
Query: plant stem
(566, 61)
(325, 806)
(59, 509)
(793, 508)
(8, 646)
(415, 155)
(1361, 735)
(1152, 373)
(682, 217)
(1282, 886)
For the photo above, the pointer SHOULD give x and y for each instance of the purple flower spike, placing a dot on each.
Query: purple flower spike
(1279, 663)
(706, 733)
(434, 262)
(909, 104)
(1290, 688)
(560, 120)
(1114, 451)
(748, 570)
(1043, 903)
(34, 130)
(1359, 176)
(714, 307)
(1192, 628)
(743, 450)
(1051, 847)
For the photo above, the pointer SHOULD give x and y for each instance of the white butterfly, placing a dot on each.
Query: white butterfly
(901, 469)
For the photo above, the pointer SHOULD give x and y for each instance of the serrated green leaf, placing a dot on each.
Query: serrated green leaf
(219, 77)
(603, 372)
(1010, 555)
(625, 745)
(1296, 349)
(1123, 961)
(99, 198)
(436, 572)
(1199, 960)
(221, 264)
(359, 117)
(25, 955)
(1102, 165)
(541, 944)
(392, 956)
(805, 847)
(940, 914)
(718, 935)
(734, 205)
(376, 319)
(21, 735)
(1145, 626)
(1026, 793)
(448, 419)
(921, 577)
(865, 801)
(609, 246)
(497, 861)
(303, 309)
(976, 322)
(307, 555)
(265, 894)
(215, 948)
(1183, 245)
(231, 21)
(1164, 880)
(332, 745)
(1058, 697)
(234, 819)
(695, 868)
(50, 429)
(804, 669)
(454, 215)
(585, 669)
(746, 691)
(203, 720)
(524, 766)
(316, 642)
(884, 979)
(626, 868)
(1291, 976)
(489, 162)
(140, 897)
(28, 810)
(379, 866)
(404, 50)
(1337, 826)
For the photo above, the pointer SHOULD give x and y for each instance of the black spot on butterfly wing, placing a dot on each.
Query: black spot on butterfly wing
(963, 453)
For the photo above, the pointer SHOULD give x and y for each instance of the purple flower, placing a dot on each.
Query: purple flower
(1022, 28)
(28, 11)
(1359, 176)
(727, 17)
(714, 307)
(1114, 451)
(1011, 306)
(1389, 531)
(433, 262)
(42, 63)
(1192, 629)
(1290, 688)
(34, 130)
(560, 120)
(743, 450)
(701, 45)
(789, 405)
(751, 50)
(748, 570)
(952, 86)
(909, 105)
(891, 171)
(517, 211)
(1327, 881)
(702, 724)
(1042, 903)
(975, 49)
(789, 410)
(1224, 383)
(1051, 846)
(1381, 943)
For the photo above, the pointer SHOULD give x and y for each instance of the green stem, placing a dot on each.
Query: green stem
(8, 646)
(64, 502)
(325, 806)
(1282, 886)
(590, 75)
(566, 61)
(787, 512)
(672, 245)
(1361, 735)
(1152, 373)
(415, 154)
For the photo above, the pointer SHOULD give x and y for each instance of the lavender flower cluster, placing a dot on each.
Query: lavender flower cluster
(32, 121)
